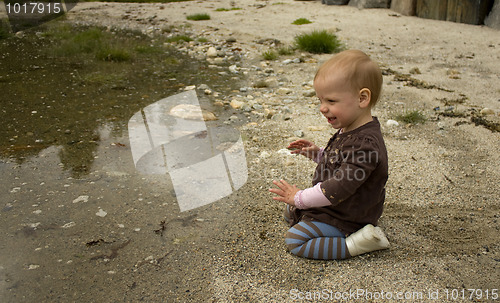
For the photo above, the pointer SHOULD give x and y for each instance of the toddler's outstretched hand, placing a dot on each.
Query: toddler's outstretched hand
(305, 148)
(286, 192)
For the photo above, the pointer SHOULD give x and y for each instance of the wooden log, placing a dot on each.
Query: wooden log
(468, 11)
(432, 9)
(404, 7)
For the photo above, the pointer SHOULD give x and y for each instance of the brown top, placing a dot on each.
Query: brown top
(353, 172)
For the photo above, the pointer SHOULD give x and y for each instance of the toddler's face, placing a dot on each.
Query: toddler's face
(339, 104)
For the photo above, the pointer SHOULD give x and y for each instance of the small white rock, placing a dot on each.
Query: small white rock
(101, 213)
(487, 111)
(285, 152)
(81, 199)
(211, 52)
(264, 155)
(233, 69)
(309, 93)
(236, 104)
(284, 91)
(34, 225)
(391, 123)
(68, 225)
(15, 189)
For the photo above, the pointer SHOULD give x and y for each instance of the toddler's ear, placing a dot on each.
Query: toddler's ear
(364, 97)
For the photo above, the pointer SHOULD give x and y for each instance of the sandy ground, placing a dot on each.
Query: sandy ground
(441, 211)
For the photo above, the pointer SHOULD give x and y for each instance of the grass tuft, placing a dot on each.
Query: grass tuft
(301, 21)
(412, 117)
(198, 17)
(286, 50)
(113, 54)
(270, 55)
(318, 42)
(228, 9)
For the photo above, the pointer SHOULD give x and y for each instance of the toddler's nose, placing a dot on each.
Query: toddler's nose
(323, 109)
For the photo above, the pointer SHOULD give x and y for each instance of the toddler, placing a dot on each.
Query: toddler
(336, 218)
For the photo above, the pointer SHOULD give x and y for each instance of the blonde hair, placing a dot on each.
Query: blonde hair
(359, 72)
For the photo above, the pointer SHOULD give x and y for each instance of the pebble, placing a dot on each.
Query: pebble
(415, 71)
(284, 91)
(233, 69)
(391, 123)
(271, 82)
(299, 133)
(487, 111)
(285, 152)
(264, 155)
(101, 213)
(192, 112)
(218, 61)
(309, 93)
(203, 87)
(268, 113)
(236, 104)
(81, 199)
(211, 52)
(68, 225)
(289, 61)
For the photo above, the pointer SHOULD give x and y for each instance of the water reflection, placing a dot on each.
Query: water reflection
(204, 163)
(62, 100)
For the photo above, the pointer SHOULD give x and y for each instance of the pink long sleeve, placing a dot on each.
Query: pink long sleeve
(311, 197)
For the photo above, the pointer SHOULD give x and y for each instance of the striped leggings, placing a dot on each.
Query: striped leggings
(315, 240)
